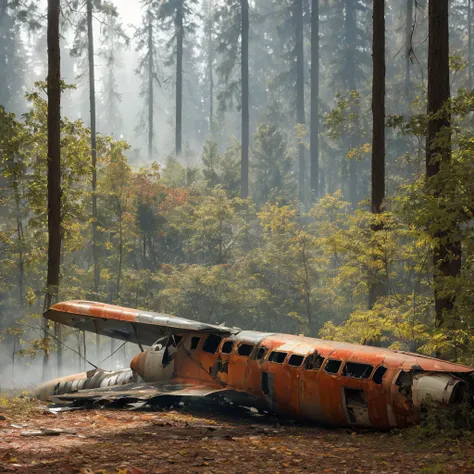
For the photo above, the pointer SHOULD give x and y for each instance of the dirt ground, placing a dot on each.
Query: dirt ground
(208, 440)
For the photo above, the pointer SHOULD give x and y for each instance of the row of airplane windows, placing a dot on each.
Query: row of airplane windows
(311, 362)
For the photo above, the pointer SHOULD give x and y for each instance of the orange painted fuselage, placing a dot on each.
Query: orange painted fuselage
(329, 382)
(273, 368)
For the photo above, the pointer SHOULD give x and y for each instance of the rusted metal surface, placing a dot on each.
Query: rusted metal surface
(329, 382)
(126, 324)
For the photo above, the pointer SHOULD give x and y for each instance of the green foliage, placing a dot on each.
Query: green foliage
(454, 422)
(175, 175)
(272, 166)
(222, 170)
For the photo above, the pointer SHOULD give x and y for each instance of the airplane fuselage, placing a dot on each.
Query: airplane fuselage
(324, 381)
(328, 382)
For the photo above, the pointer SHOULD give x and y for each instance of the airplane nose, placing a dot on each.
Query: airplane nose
(138, 363)
(439, 388)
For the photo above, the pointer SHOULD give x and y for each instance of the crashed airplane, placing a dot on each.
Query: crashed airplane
(328, 382)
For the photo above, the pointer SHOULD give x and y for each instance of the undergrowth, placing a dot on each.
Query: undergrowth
(454, 422)
(14, 405)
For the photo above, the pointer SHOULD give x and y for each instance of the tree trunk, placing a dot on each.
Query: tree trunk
(54, 162)
(210, 62)
(378, 107)
(447, 255)
(408, 49)
(300, 115)
(378, 126)
(314, 134)
(469, 43)
(120, 261)
(244, 166)
(21, 259)
(90, 45)
(151, 72)
(179, 75)
(350, 24)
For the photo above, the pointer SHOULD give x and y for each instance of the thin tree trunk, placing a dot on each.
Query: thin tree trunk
(408, 49)
(21, 260)
(54, 162)
(210, 62)
(350, 23)
(469, 42)
(314, 134)
(151, 72)
(244, 166)
(378, 126)
(90, 44)
(300, 115)
(179, 75)
(120, 261)
(447, 255)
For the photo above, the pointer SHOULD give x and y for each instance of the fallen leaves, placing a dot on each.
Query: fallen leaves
(121, 442)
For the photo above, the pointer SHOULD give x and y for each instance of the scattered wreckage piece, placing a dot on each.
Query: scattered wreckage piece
(48, 432)
(328, 382)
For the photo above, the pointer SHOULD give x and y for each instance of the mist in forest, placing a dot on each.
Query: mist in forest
(260, 164)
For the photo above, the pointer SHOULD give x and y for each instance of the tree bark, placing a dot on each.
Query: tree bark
(350, 24)
(54, 161)
(378, 107)
(120, 259)
(378, 127)
(447, 254)
(469, 42)
(210, 62)
(314, 134)
(179, 75)
(151, 72)
(90, 48)
(408, 49)
(300, 115)
(244, 166)
(20, 237)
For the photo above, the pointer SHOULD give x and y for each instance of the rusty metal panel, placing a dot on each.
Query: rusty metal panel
(338, 397)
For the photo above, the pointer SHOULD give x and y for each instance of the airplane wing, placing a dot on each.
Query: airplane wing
(149, 392)
(126, 324)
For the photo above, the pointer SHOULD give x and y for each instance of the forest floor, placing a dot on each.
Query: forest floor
(206, 440)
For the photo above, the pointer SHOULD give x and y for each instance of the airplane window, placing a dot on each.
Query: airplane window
(378, 374)
(296, 360)
(227, 347)
(332, 366)
(261, 353)
(245, 349)
(195, 342)
(359, 371)
(212, 343)
(277, 357)
(314, 361)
